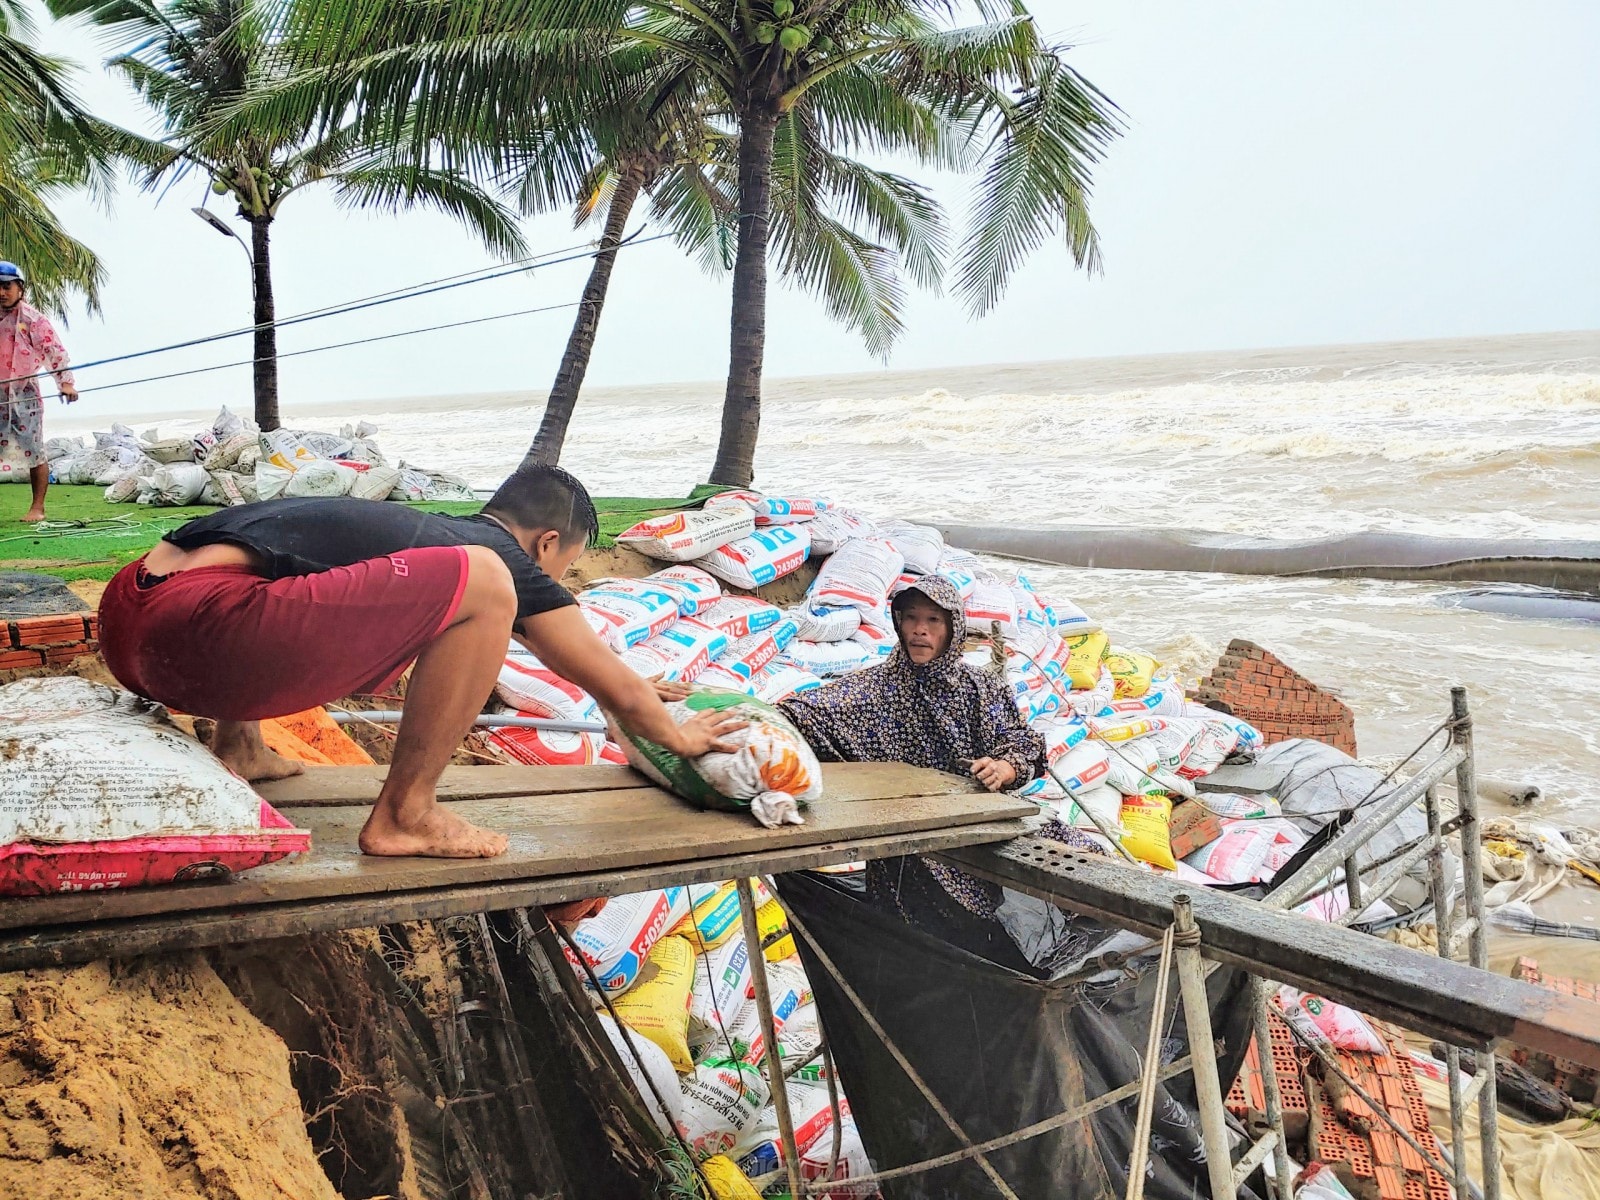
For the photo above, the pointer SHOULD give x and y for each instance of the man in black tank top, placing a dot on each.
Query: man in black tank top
(269, 609)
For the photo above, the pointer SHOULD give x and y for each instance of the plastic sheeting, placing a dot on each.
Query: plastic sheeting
(1000, 1046)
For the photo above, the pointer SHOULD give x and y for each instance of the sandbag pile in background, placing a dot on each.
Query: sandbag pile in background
(676, 969)
(233, 463)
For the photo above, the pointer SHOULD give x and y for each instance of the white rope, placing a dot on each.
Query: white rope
(1152, 1069)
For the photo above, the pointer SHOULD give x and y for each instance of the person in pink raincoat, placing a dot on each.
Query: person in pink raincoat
(29, 347)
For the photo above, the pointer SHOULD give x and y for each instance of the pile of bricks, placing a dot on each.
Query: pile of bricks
(1248, 1099)
(1261, 688)
(1365, 1152)
(48, 640)
(1576, 1080)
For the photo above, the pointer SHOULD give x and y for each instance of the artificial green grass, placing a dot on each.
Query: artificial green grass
(84, 537)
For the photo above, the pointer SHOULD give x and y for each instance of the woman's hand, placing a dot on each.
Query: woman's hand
(994, 774)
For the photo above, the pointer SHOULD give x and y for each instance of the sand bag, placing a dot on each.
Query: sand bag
(99, 791)
(921, 546)
(634, 609)
(530, 687)
(681, 536)
(787, 986)
(760, 1148)
(678, 654)
(1238, 856)
(772, 774)
(1087, 656)
(616, 942)
(322, 477)
(554, 748)
(763, 556)
(1132, 671)
(720, 1101)
(1328, 1024)
(740, 616)
(782, 680)
(375, 483)
(745, 657)
(171, 450)
(236, 488)
(694, 588)
(715, 918)
(1164, 698)
(657, 1005)
(721, 993)
(853, 1163)
(859, 575)
(989, 602)
(955, 569)
(178, 484)
(1095, 808)
(721, 679)
(634, 1048)
(224, 455)
(824, 624)
(727, 1181)
(828, 659)
(1145, 821)
(835, 527)
(772, 510)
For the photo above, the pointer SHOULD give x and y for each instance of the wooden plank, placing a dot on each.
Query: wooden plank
(322, 786)
(550, 835)
(1444, 999)
(61, 946)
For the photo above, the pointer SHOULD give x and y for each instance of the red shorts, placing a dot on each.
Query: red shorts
(231, 644)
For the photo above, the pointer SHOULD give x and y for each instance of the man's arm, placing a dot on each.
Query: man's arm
(564, 642)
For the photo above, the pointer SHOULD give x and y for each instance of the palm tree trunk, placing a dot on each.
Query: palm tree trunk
(741, 404)
(266, 356)
(563, 397)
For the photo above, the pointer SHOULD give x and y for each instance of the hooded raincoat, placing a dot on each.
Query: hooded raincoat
(927, 716)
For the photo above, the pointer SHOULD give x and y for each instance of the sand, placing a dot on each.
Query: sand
(147, 1080)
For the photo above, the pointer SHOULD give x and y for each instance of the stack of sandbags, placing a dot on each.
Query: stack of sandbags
(675, 969)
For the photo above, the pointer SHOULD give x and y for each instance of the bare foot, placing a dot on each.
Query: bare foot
(242, 751)
(34, 515)
(436, 834)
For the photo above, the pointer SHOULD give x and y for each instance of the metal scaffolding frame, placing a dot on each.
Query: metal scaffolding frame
(1487, 1009)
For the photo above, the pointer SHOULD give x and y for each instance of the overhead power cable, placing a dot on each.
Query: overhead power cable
(382, 337)
(427, 288)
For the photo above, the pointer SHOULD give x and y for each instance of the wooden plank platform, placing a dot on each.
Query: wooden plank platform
(322, 787)
(564, 845)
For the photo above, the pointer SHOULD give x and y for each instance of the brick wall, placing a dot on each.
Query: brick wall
(1255, 684)
(47, 641)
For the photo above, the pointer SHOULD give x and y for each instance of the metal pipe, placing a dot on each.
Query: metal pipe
(1255, 1156)
(483, 720)
(1462, 935)
(1152, 1064)
(1472, 872)
(1197, 1020)
(1283, 1178)
(1389, 881)
(1443, 918)
(1352, 883)
(1359, 833)
(769, 1030)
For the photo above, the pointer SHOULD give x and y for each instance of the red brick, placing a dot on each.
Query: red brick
(92, 624)
(41, 631)
(12, 659)
(56, 655)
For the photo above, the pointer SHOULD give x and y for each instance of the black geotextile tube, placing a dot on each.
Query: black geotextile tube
(1002, 1049)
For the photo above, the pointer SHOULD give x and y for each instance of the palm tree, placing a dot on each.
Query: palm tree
(193, 61)
(48, 145)
(830, 77)
(863, 68)
(663, 142)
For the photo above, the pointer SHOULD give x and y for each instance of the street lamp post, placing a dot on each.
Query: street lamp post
(226, 230)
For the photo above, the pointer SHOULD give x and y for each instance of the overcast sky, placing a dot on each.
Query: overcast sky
(1292, 174)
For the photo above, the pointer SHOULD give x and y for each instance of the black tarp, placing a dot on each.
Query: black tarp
(1002, 1048)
